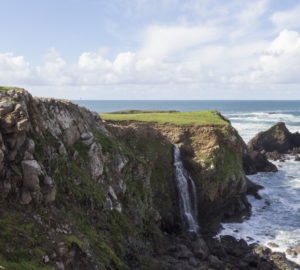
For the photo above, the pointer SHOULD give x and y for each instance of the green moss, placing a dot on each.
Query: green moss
(108, 143)
(41, 143)
(107, 238)
(75, 184)
(178, 118)
(22, 265)
(82, 150)
(73, 239)
(22, 243)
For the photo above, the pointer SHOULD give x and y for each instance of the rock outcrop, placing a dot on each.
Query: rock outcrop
(64, 177)
(275, 141)
(254, 162)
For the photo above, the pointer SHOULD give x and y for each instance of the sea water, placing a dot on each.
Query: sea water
(276, 217)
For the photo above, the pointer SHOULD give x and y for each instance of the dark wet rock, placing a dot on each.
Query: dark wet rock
(265, 266)
(297, 157)
(297, 249)
(295, 151)
(255, 161)
(277, 138)
(275, 155)
(252, 189)
(200, 249)
(275, 142)
(291, 252)
(272, 245)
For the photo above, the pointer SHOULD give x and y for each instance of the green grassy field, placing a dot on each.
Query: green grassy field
(6, 88)
(178, 118)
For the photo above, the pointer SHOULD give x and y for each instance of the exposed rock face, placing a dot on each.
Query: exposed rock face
(277, 140)
(212, 154)
(254, 161)
(55, 152)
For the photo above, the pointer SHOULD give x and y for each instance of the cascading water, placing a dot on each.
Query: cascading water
(187, 194)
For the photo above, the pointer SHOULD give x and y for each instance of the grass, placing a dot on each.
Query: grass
(6, 88)
(141, 111)
(178, 118)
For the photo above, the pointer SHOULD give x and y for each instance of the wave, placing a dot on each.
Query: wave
(279, 209)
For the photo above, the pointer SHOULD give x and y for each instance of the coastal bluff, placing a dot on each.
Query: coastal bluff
(79, 192)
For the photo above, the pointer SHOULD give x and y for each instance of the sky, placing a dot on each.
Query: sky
(152, 49)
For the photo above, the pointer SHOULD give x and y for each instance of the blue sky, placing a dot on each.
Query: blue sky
(152, 49)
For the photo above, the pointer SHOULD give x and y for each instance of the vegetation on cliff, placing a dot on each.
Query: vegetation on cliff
(77, 193)
(6, 88)
(177, 118)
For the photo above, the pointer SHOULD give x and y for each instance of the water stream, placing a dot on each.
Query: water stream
(187, 194)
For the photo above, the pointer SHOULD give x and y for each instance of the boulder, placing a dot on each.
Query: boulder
(277, 138)
(71, 135)
(6, 107)
(31, 171)
(25, 196)
(200, 249)
(215, 262)
(254, 161)
(275, 155)
(297, 249)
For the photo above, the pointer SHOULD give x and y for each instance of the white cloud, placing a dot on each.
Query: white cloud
(160, 41)
(55, 70)
(14, 69)
(287, 19)
(280, 62)
(223, 45)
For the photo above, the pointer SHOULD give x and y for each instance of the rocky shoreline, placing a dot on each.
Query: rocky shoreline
(81, 193)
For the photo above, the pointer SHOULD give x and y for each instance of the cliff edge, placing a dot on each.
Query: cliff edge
(81, 193)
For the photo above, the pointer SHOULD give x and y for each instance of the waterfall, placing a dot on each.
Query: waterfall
(187, 194)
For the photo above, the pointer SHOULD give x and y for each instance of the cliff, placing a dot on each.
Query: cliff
(211, 153)
(79, 193)
(71, 194)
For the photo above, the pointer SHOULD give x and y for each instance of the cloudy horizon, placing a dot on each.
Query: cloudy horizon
(138, 49)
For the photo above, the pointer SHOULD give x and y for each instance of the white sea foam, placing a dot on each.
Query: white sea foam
(276, 217)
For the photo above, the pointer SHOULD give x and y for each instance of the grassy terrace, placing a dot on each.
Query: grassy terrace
(6, 88)
(178, 118)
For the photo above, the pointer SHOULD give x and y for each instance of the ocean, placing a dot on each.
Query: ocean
(276, 217)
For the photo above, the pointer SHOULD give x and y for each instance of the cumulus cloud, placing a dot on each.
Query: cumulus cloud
(55, 70)
(279, 63)
(287, 19)
(226, 46)
(14, 69)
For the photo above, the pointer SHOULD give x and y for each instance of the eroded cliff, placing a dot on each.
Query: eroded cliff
(212, 155)
(78, 193)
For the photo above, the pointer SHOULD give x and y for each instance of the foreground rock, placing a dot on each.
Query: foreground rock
(276, 141)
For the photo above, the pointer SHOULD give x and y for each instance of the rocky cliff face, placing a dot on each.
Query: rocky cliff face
(78, 193)
(71, 194)
(212, 155)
